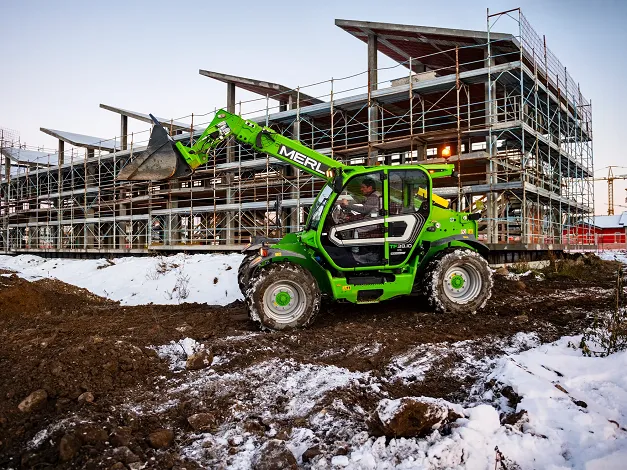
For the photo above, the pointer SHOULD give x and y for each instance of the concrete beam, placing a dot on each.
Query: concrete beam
(482, 36)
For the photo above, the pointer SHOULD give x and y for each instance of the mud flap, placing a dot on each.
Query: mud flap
(160, 161)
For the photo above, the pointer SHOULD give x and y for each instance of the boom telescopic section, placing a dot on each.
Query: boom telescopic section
(165, 159)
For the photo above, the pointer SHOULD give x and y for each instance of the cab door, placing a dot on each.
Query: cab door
(409, 205)
(353, 234)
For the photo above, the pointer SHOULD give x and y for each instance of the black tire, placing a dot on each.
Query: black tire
(243, 273)
(458, 281)
(283, 296)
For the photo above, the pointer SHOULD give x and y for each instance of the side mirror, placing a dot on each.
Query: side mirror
(338, 184)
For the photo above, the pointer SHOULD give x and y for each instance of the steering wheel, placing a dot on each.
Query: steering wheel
(341, 214)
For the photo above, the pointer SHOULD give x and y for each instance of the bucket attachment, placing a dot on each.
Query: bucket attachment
(160, 161)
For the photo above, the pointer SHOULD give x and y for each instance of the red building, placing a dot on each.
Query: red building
(606, 231)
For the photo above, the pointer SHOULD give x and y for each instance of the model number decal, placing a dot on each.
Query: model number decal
(401, 246)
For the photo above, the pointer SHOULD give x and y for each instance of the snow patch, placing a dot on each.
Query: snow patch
(177, 352)
(140, 280)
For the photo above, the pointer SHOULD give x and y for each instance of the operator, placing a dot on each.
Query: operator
(372, 203)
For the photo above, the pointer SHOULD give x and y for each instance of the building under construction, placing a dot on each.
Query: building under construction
(500, 106)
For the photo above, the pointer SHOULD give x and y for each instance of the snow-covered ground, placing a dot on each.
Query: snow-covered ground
(576, 410)
(572, 408)
(207, 278)
(614, 255)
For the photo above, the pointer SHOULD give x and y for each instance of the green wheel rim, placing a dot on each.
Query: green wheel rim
(283, 299)
(457, 281)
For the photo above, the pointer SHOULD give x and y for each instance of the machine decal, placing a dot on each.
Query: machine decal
(298, 157)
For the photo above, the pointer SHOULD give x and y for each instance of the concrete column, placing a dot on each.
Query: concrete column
(124, 132)
(373, 127)
(490, 119)
(230, 157)
(172, 235)
(90, 180)
(5, 218)
(7, 173)
(122, 210)
(61, 150)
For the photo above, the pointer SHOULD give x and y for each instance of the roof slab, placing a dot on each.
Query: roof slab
(22, 156)
(427, 46)
(275, 91)
(82, 140)
(176, 125)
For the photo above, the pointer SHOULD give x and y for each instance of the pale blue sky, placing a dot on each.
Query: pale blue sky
(61, 59)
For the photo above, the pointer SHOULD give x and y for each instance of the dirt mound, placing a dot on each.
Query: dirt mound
(19, 297)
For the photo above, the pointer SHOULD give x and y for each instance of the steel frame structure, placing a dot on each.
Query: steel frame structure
(517, 125)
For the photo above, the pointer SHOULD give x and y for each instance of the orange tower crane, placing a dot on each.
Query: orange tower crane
(610, 187)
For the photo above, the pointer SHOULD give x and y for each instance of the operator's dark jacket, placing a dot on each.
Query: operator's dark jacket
(370, 205)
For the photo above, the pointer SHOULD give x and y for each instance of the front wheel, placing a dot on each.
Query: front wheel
(459, 281)
(243, 272)
(283, 296)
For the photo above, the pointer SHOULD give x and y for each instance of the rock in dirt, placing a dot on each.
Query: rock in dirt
(92, 434)
(515, 418)
(512, 397)
(272, 455)
(310, 453)
(502, 271)
(62, 405)
(202, 421)
(415, 416)
(125, 455)
(68, 447)
(121, 437)
(199, 360)
(86, 397)
(161, 438)
(34, 401)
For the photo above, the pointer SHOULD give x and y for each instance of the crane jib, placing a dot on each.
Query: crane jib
(303, 160)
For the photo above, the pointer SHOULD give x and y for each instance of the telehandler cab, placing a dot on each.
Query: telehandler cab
(372, 234)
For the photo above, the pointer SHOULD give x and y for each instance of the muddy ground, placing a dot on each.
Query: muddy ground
(91, 356)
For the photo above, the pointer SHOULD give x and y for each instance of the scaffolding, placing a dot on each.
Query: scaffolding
(499, 106)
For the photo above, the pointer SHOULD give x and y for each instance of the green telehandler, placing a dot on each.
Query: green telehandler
(373, 232)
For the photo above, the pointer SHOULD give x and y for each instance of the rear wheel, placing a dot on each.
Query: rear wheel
(243, 273)
(283, 296)
(458, 281)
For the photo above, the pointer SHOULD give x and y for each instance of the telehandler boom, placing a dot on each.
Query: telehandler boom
(372, 234)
